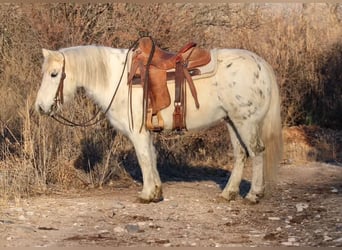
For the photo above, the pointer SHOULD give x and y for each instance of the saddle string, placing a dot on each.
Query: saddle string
(189, 78)
(61, 119)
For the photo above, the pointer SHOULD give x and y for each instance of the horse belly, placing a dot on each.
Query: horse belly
(209, 113)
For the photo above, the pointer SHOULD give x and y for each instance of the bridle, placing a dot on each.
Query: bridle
(59, 100)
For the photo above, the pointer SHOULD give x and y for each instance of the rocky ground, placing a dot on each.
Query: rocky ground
(304, 209)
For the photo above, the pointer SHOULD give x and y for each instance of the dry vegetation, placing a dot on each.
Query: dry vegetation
(301, 43)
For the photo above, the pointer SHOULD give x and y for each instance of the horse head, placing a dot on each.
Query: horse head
(53, 93)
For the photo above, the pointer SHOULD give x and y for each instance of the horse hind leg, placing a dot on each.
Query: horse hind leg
(246, 142)
(258, 183)
(256, 151)
(232, 189)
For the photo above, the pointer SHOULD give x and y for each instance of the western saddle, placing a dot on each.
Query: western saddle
(152, 66)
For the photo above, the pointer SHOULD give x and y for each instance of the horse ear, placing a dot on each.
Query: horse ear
(46, 52)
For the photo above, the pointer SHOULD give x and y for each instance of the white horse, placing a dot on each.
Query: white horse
(243, 92)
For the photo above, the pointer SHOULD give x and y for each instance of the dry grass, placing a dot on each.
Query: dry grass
(312, 143)
(302, 45)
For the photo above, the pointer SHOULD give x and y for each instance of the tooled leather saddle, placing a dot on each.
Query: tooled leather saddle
(152, 67)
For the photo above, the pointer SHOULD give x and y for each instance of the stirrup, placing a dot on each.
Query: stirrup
(152, 119)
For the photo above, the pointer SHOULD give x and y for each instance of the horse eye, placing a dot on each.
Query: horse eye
(54, 74)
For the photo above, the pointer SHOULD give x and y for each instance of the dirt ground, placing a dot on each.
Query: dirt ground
(303, 210)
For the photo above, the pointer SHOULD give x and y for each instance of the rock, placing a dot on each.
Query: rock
(21, 217)
(6, 222)
(173, 205)
(118, 205)
(141, 223)
(270, 236)
(327, 238)
(17, 209)
(339, 240)
(301, 206)
(292, 239)
(132, 228)
(119, 229)
(30, 213)
(274, 218)
(162, 241)
(104, 231)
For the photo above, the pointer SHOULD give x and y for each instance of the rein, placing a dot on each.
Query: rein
(146, 83)
(59, 100)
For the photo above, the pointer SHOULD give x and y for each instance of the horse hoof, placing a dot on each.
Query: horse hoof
(147, 201)
(155, 195)
(220, 199)
(252, 198)
(142, 201)
(229, 196)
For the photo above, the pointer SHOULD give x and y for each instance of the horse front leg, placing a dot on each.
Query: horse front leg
(146, 154)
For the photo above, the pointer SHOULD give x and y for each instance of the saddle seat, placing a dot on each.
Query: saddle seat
(156, 93)
(166, 60)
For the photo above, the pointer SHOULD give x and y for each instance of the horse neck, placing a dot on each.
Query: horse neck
(98, 72)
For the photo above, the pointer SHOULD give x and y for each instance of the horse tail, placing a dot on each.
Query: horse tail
(271, 133)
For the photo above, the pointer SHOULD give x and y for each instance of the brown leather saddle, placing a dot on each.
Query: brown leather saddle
(152, 66)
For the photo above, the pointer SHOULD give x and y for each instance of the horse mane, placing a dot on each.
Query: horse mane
(89, 65)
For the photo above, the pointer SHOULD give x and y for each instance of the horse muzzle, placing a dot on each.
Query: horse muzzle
(46, 111)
